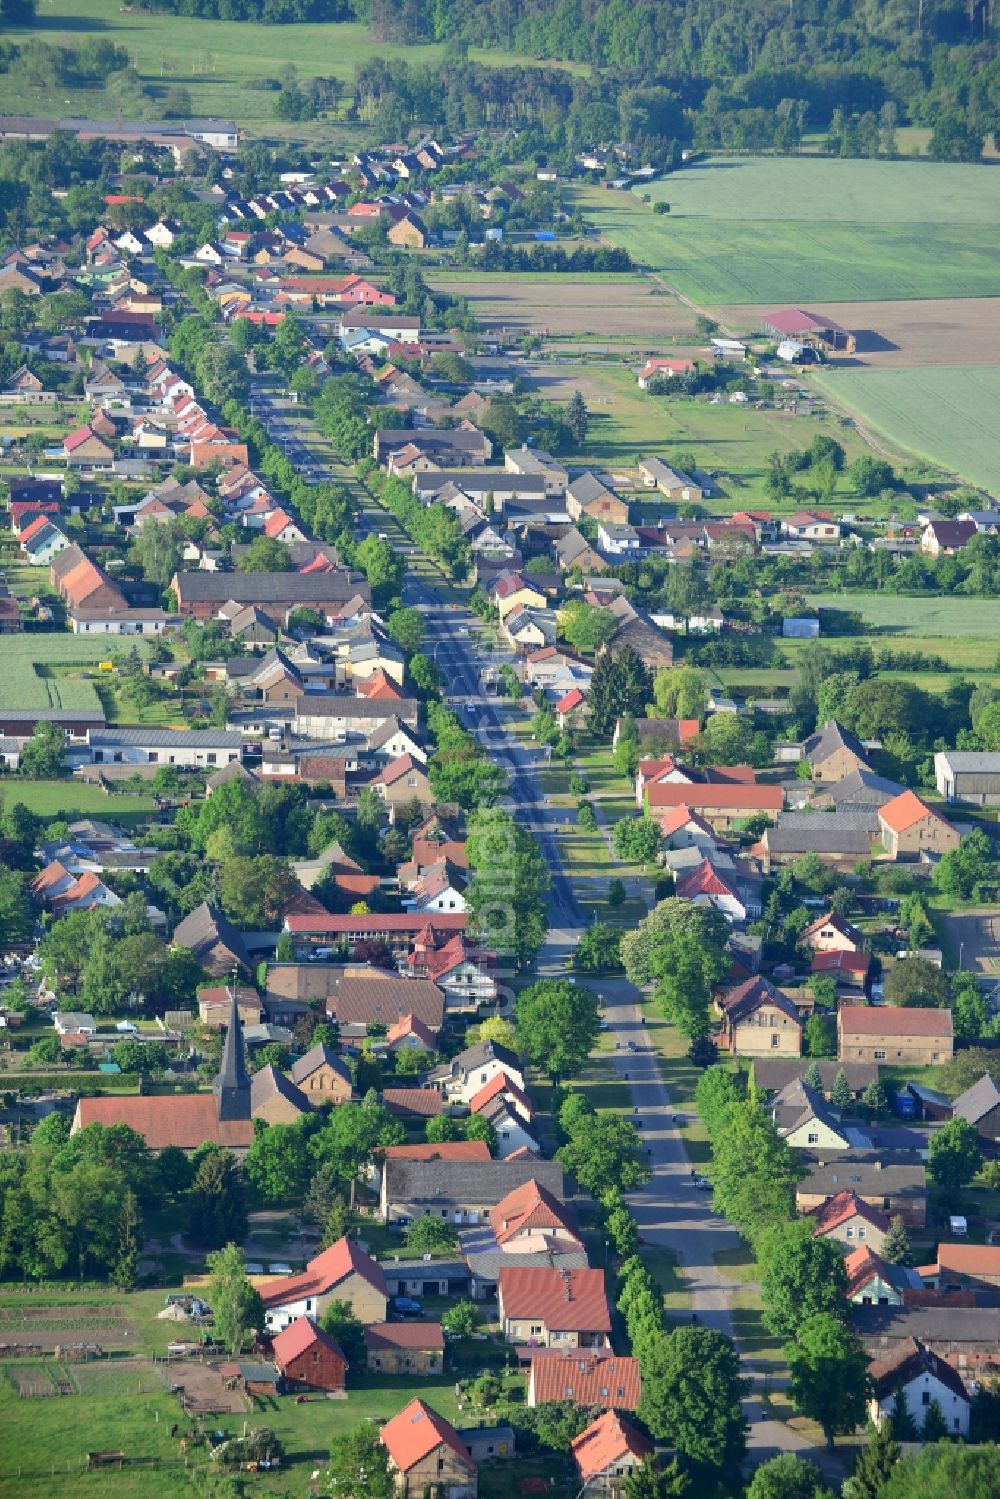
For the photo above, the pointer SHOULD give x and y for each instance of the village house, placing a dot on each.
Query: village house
(758, 1020)
(872, 1281)
(275, 1099)
(309, 1358)
(943, 538)
(849, 1220)
(893, 1183)
(833, 752)
(593, 1378)
(804, 1120)
(341, 1273)
(463, 1192)
(910, 1036)
(909, 827)
(672, 483)
(213, 939)
(426, 1454)
(830, 933)
(554, 1308)
(323, 1076)
(404, 1348)
(368, 997)
(605, 1453)
(961, 1267)
(468, 1072)
(720, 803)
(510, 1112)
(531, 1219)
(840, 839)
(980, 1106)
(916, 1376)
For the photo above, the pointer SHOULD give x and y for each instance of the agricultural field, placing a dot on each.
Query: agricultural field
(945, 415)
(218, 62)
(36, 667)
(600, 309)
(785, 231)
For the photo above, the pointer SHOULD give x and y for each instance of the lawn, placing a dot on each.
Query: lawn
(749, 231)
(946, 416)
(218, 62)
(71, 799)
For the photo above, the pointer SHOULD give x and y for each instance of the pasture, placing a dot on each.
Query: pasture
(723, 244)
(220, 63)
(944, 415)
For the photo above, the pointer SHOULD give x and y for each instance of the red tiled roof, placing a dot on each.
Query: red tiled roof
(424, 1102)
(410, 1025)
(908, 1361)
(841, 962)
(703, 880)
(844, 1206)
(396, 769)
(719, 794)
(497, 1086)
(862, 1265)
(33, 529)
(587, 1377)
(563, 1300)
(323, 1273)
(905, 810)
(416, 1432)
(968, 1259)
(887, 1020)
(606, 1442)
(183, 1119)
(573, 699)
(298, 1338)
(425, 1336)
(529, 1206)
(447, 1150)
(679, 817)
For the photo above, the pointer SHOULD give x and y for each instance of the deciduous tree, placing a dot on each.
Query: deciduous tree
(829, 1369)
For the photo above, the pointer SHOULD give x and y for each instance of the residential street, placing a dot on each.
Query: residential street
(673, 1214)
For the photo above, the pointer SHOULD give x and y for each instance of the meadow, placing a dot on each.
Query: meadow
(730, 441)
(781, 231)
(945, 415)
(67, 800)
(218, 62)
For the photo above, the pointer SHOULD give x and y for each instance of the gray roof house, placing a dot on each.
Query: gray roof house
(980, 1105)
(464, 1190)
(860, 788)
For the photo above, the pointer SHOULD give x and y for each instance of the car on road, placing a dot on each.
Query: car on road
(703, 1184)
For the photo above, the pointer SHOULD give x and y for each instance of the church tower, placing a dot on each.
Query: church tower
(232, 1086)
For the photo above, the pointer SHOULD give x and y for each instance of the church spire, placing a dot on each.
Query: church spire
(232, 1085)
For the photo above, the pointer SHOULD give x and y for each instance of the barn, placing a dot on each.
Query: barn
(811, 328)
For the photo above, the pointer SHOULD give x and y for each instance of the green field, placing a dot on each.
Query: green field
(932, 619)
(787, 230)
(71, 799)
(948, 416)
(831, 191)
(36, 666)
(217, 61)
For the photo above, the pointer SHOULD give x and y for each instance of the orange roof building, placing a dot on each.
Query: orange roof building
(426, 1451)
(610, 1445)
(343, 1272)
(588, 1377)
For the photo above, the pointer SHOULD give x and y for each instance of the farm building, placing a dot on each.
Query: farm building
(809, 328)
